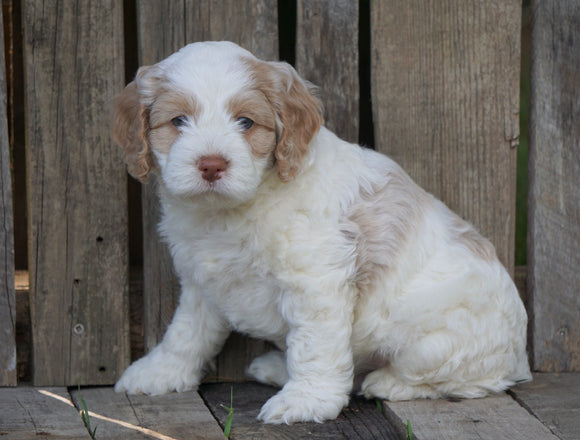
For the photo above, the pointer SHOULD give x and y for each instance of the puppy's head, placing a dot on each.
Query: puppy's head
(213, 119)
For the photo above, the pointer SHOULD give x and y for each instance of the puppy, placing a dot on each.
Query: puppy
(280, 230)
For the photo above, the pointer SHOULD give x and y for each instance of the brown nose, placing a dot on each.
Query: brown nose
(212, 167)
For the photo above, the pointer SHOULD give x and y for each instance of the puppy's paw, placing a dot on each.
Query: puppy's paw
(153, 375)
(270, 369)
(294, 404)
(383, 384)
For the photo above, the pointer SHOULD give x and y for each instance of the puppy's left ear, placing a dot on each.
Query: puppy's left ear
(300, 114)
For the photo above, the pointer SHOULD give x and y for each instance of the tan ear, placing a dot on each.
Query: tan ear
(299, 110)
(130, 128)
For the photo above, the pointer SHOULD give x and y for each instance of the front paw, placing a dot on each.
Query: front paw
(156, 375)
(302, 404)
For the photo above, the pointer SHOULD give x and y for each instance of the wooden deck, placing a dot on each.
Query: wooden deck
(548, 408)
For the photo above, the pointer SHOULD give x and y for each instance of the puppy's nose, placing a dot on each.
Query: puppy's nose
(212, 167)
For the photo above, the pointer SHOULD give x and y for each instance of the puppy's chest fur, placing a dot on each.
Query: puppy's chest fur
(233, 261)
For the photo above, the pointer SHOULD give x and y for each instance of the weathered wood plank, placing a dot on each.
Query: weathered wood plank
(555, 400)
(554, 178)
(497, 417)
(8, 373)
(26, 413)
(445, 94)
(360, 420)
(161, 31)
(77, 192)
(327, 55)
(160, 284)
(163, 28)
(115, 406)
(174, 416)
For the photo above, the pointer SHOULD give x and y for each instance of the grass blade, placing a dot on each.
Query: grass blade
(230, 410)
(409, 434)
(85, 416)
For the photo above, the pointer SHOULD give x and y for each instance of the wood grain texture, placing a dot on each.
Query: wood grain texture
(26, 413)
(163, 28)
(77, 186)
(8, 372)
(174, 416)
(445, 95)
(554, 178)
(497, 417)
(160, 284)
(360, 420)
(555, 400)
(327, 55)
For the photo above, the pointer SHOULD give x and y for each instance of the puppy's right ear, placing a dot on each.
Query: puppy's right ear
(130, 129)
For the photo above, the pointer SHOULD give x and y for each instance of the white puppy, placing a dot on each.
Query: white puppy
(281, 230)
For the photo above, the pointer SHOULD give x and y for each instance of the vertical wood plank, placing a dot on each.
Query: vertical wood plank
(8, 373)
(554, 173)
(77, 192)
(445, 92)
(163, 28)
(327, 55)
(160, 284)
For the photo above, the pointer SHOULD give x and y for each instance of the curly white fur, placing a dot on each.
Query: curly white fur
(326, 249)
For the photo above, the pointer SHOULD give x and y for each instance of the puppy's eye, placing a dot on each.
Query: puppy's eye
(179, 121)
(245, 123)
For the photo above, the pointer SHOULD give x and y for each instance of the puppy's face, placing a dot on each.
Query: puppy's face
(211, 120)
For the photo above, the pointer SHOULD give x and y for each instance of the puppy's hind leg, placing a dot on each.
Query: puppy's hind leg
(442, 364)
(384, 383)
(270, 368)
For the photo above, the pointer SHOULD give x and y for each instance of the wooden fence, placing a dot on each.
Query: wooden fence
(435, 83)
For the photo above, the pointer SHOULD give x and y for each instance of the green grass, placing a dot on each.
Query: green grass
(85, 416)
(230, 410)
(409, 432)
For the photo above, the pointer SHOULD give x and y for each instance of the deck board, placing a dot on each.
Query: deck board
(174, 416)
(555, 400)
(547, 408)
(27, 413)
(361, 420)
(497, 417)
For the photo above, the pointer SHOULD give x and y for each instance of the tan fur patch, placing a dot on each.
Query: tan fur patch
(163, 137)
(385, 219)
(298, 110)
(254, 105)
(169, 104)
(130, 127)
(473, 240)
